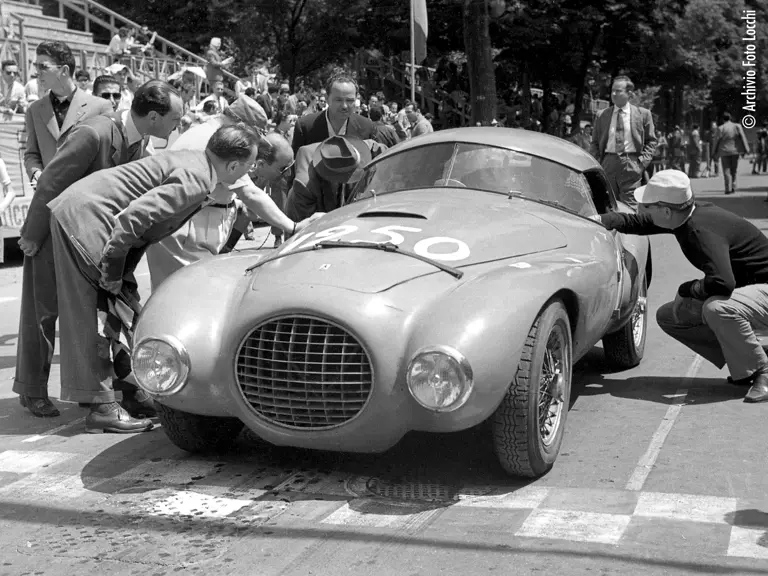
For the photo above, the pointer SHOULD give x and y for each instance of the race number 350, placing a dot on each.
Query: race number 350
(442, 248)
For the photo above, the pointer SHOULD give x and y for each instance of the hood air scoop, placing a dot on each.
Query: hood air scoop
(391, 214)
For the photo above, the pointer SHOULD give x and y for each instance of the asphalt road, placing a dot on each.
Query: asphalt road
(663, 471)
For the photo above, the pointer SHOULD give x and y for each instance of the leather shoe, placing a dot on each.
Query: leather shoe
(139, 405)
(40, 407)
(759, 390)
(113, 418)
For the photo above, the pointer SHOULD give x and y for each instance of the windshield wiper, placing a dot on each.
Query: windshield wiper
(385, 246)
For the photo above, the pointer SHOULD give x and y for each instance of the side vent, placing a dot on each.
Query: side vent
(391, 214)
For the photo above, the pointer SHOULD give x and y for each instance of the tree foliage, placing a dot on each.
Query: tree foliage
(691, 51)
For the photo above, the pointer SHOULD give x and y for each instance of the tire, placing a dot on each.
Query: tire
(195, 433)
(519, 442)
(624, 348)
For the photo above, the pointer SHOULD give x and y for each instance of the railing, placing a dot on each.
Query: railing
(116, 21)
(22, 45)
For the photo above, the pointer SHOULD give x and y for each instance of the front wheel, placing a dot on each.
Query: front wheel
(196, 433)
(529, 424)
(624, 348)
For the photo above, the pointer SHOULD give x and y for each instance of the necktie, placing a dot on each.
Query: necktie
(620, 132)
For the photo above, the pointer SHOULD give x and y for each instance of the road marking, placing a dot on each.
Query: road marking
(189, 503)
(522, 498)
(4, 299)
(23, 462)
(54, 431)
(747, 543)
(575, 526)
(686, 507)
(372, 513)
(647, 461)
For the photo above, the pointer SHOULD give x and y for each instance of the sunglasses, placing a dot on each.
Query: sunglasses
(285, 170)
(43, 67)
(111, 95)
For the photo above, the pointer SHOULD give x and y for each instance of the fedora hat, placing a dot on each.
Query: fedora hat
(341, 159)
(670, 186)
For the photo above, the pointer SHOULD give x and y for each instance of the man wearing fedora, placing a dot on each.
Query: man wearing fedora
(624, 140)
(714, 316)
(326, 172)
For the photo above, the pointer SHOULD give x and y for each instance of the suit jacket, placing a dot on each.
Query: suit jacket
(641, 128)
(314, 128)
(43, 133)
(94, 144)
(310, 193)
(730, 141)
(265, 102)
(115, 214)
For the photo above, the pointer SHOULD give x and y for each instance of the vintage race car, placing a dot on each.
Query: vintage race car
(460, 283)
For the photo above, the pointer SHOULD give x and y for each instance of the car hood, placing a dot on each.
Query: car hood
(457, 228)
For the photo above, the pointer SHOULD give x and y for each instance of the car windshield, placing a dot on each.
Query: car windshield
(478, 167)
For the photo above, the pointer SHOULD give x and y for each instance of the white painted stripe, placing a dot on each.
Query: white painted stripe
(746, 542)
(53, 431)
(370, 513)
(22, 462)
(575, 526)
(648, 460)
(4, 299)
(525, 497)
(50, 488)
(169, 471)
(686, 507)
(189, 503)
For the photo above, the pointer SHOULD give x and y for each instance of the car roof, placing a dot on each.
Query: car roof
(526, 141)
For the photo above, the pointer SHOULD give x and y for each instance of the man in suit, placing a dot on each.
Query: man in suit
(624, 140)
(100, 228)
(49, 119)
(338, 119)
(94, 144)
(729, 143)
(326, 172)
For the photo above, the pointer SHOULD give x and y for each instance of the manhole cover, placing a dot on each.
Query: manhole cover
(410, 489)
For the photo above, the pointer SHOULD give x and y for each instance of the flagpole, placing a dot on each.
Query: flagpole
(413, 55)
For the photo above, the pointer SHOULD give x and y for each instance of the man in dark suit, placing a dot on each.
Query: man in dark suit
(49, 119)
(101, 227)
(326, 172)
(337, 120)
(97, 143)
(624, 140)
(267, 101)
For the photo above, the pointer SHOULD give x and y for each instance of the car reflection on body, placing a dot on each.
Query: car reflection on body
(459, 285)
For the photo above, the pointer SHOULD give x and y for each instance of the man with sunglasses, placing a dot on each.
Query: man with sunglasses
(206, 233)
(13, 92)
(108, 88)
(50, 118)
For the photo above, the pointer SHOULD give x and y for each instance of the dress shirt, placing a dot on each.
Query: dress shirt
(13, 94)
(132, 134)
(61, 106)
(629, 145)
(331, 131)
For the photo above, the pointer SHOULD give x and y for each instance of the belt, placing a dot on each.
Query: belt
(622, 154)
(230, 205)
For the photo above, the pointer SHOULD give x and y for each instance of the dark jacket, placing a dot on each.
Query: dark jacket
(313, 128)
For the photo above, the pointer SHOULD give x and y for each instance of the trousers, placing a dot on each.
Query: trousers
(722, 330)
(730, 169)
(85, 375)
(37, 323)
(624, 172)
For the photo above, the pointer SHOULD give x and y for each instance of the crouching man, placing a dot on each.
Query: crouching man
(100, 228)
(714, 316)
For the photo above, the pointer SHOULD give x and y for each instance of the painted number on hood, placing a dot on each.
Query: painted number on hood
(424, 247)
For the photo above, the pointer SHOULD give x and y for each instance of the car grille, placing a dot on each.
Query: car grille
(304, 373)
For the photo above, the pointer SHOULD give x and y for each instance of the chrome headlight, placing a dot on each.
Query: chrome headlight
(439, 378)
(160, 365)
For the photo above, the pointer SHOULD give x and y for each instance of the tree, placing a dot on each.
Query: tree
(482, 79)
